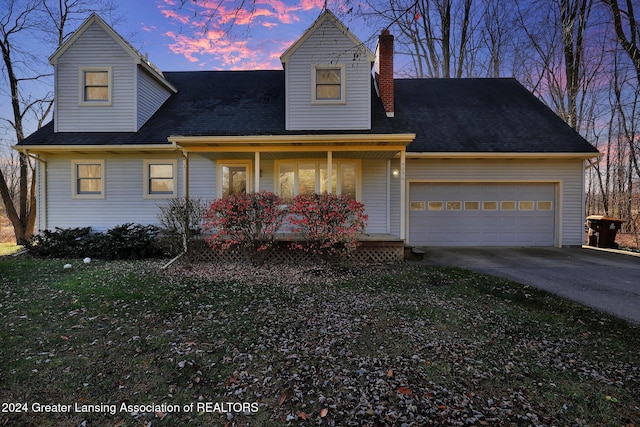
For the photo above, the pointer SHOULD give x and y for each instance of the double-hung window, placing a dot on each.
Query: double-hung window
(95, 86)
(328, 84)
(160, 178)
(87, 179)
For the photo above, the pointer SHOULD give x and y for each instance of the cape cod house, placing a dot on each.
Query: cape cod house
(437, 162)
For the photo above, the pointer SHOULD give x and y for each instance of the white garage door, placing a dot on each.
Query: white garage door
(485, 214)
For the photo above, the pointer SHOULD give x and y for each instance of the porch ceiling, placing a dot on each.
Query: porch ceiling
(271, 155)
(362, 146)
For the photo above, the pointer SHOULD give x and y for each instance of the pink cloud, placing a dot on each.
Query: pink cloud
(224, 36)
(172, 14)
(149, 28)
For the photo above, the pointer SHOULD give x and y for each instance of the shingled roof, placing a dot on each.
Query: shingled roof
(447, 115)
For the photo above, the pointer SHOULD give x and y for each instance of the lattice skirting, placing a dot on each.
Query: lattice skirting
(368, 252)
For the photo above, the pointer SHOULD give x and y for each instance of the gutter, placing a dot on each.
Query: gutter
(506, 155)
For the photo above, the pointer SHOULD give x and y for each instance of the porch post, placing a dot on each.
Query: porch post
(185, 157)
(403, 195)
(256, 173)
(329, 170)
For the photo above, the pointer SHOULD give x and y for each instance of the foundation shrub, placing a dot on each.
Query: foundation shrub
(247, 222)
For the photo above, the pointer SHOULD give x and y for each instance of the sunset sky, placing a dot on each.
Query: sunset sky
(182, 38)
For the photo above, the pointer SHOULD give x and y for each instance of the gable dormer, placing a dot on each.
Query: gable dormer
(102, 84)
(327, 79)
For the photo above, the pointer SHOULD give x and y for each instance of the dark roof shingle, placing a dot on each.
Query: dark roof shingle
(447, 115)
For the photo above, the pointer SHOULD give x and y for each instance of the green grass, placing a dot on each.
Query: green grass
(377, 345)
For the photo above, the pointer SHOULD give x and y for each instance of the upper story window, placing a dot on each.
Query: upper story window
(96, 85)
(328, 84)
(87, 179)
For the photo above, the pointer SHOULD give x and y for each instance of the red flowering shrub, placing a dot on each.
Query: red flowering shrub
(244, 221)
(328, 223)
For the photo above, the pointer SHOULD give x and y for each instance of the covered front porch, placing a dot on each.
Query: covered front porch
(355, 165)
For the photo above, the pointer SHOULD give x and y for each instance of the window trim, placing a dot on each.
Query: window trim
(541, 207)
(234, 163)
(81, 87)
(453, 205)
(468, 205)
(336, 163)
(147, 178)
(343, 78)
(75, 193)
(435, 205)
(486, 205)
(526, 205)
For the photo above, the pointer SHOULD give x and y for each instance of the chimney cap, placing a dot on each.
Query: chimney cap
(385, 32)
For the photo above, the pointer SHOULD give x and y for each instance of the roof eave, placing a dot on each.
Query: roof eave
(85, 148)
(505, 155)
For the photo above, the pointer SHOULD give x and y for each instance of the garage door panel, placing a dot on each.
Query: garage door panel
(517, 220)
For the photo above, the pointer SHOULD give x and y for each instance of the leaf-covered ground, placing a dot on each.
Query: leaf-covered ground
(125, 343)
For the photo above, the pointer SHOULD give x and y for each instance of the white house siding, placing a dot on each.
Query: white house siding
(151, 95)
(374, 194)
(267, 175)
(567, 175)
(327, 45)
(95, 49)
(202, 178)
(124, 194)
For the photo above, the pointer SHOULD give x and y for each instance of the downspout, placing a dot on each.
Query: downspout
(185, 191)
(403, 195)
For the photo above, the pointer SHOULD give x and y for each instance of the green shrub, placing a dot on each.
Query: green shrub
(61, 243)
(127, 241)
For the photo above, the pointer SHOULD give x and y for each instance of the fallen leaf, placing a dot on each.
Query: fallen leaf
(303, 415)
(390, 373)
(324, 412)
(64, 338)
(283, 398)
(404, 390)
(231, 380)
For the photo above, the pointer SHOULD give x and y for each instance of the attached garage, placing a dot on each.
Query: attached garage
(482, 214)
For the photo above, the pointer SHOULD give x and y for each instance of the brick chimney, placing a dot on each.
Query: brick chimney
(384, 71)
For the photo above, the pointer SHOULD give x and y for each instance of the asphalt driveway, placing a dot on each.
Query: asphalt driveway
(606, 281)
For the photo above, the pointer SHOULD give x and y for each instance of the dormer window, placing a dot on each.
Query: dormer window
(95, 85)
(328, 84)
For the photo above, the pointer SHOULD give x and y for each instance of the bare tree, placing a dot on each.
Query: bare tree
(437, 35)
(28, 78)
(498, 23)
(19, 18)
(627, 32)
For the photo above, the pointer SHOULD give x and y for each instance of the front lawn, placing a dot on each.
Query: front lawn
(125, 343)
